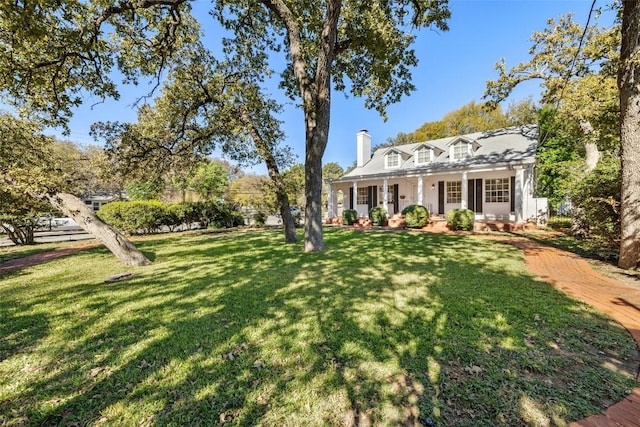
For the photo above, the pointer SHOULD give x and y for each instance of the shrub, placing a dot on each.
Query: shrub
(149, 216)
(415, 216)
(378, 215)
(559, 222)
(349, 216)
(460, 219)
(182, 213)
(136, 217)
(596, 200)
(260, 218)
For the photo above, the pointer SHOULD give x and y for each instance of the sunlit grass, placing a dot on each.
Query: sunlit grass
(241, 329)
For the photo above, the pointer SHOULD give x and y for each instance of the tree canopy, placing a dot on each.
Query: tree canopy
(55, 52)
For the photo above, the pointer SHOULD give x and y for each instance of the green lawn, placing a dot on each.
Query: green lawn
(241, 329)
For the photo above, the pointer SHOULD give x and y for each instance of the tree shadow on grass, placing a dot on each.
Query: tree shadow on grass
(381, 328)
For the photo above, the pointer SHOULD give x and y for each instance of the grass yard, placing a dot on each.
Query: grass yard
(240, 329)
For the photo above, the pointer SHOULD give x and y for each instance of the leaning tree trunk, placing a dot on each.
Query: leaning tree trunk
(266, 153)
(119, 245)
(629, 86)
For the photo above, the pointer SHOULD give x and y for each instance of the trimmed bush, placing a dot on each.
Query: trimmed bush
(140, 217)
(559, 222)
(415, 216)
(136, 217)
(378, 216)
(349, 216)
(460, 219)
(182, 213)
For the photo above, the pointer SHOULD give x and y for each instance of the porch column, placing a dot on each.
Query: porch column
(385, 196)
(330, 212)
(420, 198)
(465, 190)
(519, 195)
(355, 196)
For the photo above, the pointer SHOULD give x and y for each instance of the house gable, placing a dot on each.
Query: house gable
(424, 154)
(462, 147)
(394, 158)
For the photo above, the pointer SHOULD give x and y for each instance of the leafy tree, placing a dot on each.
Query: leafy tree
(56, 50)
(559, 158)
(579, 81)
(467, 119)
(579, 77)
(522, 112)
(205, 105)
(29, 165)
(294, 182)
(144, 190)
(210, 180)
(20, 216)
(330, 171)
(400, 139)
(431, 130)
(362, 46)
(254, 192)
(596, 201)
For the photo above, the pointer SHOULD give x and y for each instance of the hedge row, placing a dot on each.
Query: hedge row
(143, 217)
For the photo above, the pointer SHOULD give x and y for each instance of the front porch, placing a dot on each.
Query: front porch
(438, 224)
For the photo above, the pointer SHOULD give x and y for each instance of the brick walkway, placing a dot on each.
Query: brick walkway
(20, 263)
(574, 276)
(566, 271)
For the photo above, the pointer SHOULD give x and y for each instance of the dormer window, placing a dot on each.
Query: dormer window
(461, 150)
(423, 155)
(392, 159)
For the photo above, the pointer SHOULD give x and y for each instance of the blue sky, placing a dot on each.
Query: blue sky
(453, 69)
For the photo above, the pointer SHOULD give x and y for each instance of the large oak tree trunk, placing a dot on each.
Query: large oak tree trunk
(316, 142)
(629, 85)
(119, 245)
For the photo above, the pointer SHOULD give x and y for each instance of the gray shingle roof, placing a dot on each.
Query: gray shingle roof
(502, 147)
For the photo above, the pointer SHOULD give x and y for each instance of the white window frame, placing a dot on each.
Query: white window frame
(388, 164)
(460, 150)
(497, 190)
(363, 196)
(390, 195)
(453, 192)
(426, 152)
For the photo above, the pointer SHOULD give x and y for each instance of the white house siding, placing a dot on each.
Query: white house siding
(408, 194)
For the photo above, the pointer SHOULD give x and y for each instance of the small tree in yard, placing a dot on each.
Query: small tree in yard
(20, 216)
(30, 166)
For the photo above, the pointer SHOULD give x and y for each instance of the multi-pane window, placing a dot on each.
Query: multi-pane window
(390, 195)
(423, 155)
(497, 190)
(454, 191)
(460, 150)
(363, 196)
(393, 160)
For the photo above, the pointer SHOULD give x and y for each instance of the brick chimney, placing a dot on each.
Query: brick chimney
(363, 147)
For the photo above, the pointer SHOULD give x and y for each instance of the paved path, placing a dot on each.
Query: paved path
(566, 271)
(20, 263)
(574, 276)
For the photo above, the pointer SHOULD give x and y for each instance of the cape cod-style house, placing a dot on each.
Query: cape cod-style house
(491, 173)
